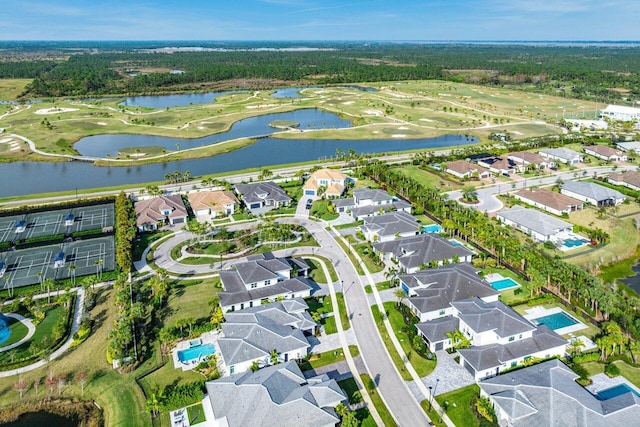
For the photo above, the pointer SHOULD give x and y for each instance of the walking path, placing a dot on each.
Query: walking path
(31, 329)
(75, 325)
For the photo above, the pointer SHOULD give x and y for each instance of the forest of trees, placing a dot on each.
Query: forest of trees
(582, 71)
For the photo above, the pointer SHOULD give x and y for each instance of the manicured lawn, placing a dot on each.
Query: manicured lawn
(321, 304)
(369, 258)
(459, 405)
(384, 413)
(432, 414)
(18, 331)
(422, 365)
(145, 239)
(353, 259)
(196, 414)
(342, 310)
(626, 370)
(318, 272)
(397, 360)
(327, 358)
(429, 178)
(363, 415)
(321, 209)
(383, 286)
(329, 324)
(189, 299)
(590, 332)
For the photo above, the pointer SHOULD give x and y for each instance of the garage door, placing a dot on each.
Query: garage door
(178, 220)
(439, 345)
(309, 193)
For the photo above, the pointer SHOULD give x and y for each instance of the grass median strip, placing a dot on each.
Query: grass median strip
(384, 413)
(395, 357)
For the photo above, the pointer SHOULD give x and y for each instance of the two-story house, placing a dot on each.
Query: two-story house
(160, 210)
(212, 204)
(332, 181)
(389, 226)
(261, 197)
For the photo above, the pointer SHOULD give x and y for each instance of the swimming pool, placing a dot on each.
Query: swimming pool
(616, 391)
(196, 352)
(556, 321)
(432, 228)
(575, 243)
(502, 284)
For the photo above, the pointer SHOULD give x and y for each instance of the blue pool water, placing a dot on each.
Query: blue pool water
(5, 332)
(616, 391)
(556, 321)
(432, 228)
(574, 243)
(454, 242)
(196, 352)
(502, 284)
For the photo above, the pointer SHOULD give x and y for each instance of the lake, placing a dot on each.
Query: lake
(311, 118)
(633, 281)
(23, 178)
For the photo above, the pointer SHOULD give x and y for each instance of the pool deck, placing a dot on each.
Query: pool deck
(210, 337)
(539, 311)
(496, 277)
(603, 382)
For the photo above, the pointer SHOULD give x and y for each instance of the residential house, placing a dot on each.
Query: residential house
(538, 225)
(500, 165)
(277, 394)
(548, 200)
(629, 146)
(562, 155)
(212, 204)
(389, 226)
(430, 292)
(500, 338)
(261, 197)
(263, 278)
(629, 179)
(368, 202)
(620, 113)
(160, 210)
(251, 335)
(605, 153)
(411, 253)
(597, 195)
(526, 158)
(332, 181)
(547, 394)
(464, 170)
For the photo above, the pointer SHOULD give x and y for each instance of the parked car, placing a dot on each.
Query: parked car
(309, 203)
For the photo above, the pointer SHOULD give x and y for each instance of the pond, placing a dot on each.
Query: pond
(174, 100)
(43, 418)
(633, 281)
(42, 177)
(311, 118)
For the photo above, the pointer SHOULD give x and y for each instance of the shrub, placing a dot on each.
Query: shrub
(611, 370)
(586, 357)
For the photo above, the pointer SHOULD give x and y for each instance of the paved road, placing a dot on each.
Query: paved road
(391, 386)
(487, 195)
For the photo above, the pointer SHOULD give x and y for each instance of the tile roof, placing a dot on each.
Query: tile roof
(437, 288)
(549, 198)
(372, 209)
(391, 223)
(236, 293)
(413, 251)
(491, 316)
(547, 394)
(280, 392)
(628, 177)
(592, 190)
(535, 220)
(463, 167)
(603, 150)
(527, 157)
(375, 195)
(215, 200)
(261, 191)
(150, 210)
(436, 330)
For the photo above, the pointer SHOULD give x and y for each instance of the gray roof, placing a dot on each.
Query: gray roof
(253, 333)
(491, 316)
(375, 195)
(261, 191)
(413, 251)
(436, 330)
(346, 203)
(485, 357)
(547, 394)
(437, 288)
(290, 312)
(535, 220)
(592, 190)
(372, 209)
(562, 153)
(391, 223)
(235, 292)
(276, 394)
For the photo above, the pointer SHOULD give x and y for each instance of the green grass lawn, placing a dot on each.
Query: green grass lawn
(629, 372)
(369, 258)
(321, 304)
(329, 324)
(363, 415)
(190, 299)
(395, 357)
(342, 311)
(145, 239)
(432, 414)
(422, 365)
(196, 414)
(18, 332)
(327, 358)
(590, 332)
(318, 272)
(429, 178)
(384, 413)
(321, 209)
(459, 405)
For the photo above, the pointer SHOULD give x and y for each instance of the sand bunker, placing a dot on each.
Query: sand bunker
(398, 135)
(347, 103)
(425, 120)
(262, 106)
(43, 111)
(101, 124)
(403, 128)
(373, 112)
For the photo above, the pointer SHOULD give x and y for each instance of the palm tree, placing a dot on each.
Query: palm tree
(72, 273)
(391, 275)
(274, 357)
(400, 294)
(98, 263)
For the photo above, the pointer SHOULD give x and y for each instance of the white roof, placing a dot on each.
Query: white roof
(622, 109)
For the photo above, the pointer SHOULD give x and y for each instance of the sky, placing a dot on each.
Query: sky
(320, 20)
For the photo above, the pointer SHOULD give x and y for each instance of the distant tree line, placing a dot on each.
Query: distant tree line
(588, 72)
